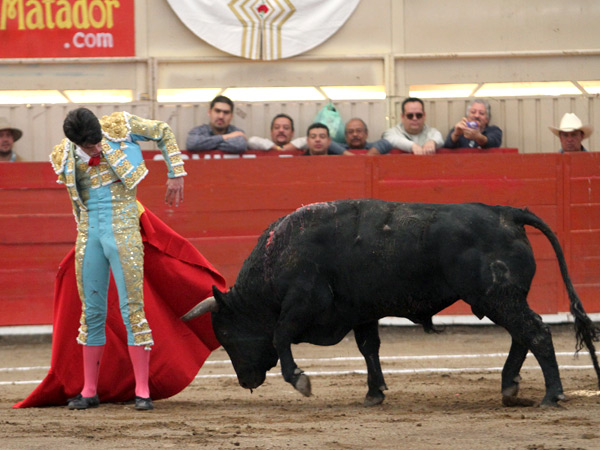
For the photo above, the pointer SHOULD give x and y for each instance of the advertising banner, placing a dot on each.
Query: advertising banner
(66, 28)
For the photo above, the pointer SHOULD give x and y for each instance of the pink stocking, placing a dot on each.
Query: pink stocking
(91, 369)
(140, 359)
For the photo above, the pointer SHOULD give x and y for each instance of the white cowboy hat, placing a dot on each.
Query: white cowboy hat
(570, 122)
(4, 125)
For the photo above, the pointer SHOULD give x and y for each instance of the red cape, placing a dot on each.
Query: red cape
(176, 277)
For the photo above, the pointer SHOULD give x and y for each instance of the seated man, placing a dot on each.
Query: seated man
(357, 133)
(318, 141)
(218, 134)
(282, 134)
(411, 135)
(571, 132)
(474, 131)
(8, 136)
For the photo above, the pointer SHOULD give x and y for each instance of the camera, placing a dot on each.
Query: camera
(473, 124)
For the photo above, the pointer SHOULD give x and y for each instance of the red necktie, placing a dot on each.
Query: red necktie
(94, 161)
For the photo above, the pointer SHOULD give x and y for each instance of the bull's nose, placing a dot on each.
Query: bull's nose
(252, 382)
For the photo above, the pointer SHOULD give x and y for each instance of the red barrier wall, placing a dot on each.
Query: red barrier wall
(229, 203)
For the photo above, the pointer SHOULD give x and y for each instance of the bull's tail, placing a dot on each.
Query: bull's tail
(586, 332)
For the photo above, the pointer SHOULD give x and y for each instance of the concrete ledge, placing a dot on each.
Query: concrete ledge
(473, 320)
(46, 330)
(26, 330)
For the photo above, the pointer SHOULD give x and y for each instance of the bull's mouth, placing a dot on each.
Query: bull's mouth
(253, 381)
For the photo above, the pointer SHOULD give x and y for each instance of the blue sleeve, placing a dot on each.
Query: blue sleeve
(494, 136)
(234, 145)
(383, 146)
(199, 138)
(335, 149)
(448, 143)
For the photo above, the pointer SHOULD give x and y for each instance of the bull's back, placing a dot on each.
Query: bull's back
(387, 252)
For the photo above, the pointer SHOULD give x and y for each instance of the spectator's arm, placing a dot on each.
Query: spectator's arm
(296, 144)
(234, 142)
(336, 149)
(258, 143)
(382, 146)
(449, 143)
(436, 137)
(199, 138)
(398, 140)
(494, 137)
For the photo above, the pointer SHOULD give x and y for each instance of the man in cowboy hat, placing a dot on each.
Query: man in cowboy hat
(571, 132)
(8, 136)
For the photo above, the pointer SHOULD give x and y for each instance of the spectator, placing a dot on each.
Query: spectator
(571, 132)
(411, 135)
(318, 141)
(474, 130)
(357, 133)
(282, 138)
(8, 136)
(219, 134)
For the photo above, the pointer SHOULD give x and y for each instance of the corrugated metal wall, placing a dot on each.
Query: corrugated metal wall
(524, 121)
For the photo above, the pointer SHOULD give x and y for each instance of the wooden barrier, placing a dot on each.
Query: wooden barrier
(251, 154)
(228, 203)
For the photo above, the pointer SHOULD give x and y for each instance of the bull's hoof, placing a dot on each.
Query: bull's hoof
(509, 396)
(302, 385)
(551, 401)
(513, 400)
(511, 391)
(374, 400)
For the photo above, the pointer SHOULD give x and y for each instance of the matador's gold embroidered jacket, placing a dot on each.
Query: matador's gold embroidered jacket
(123, 155)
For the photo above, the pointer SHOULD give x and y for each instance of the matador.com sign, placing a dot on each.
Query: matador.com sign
(66, 28)
(264, 29)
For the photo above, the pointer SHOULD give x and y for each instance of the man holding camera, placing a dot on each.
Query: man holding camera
(474, 131)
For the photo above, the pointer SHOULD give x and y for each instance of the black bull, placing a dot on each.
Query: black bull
(329, 268)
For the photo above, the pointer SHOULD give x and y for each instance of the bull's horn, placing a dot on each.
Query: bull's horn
(207, 305)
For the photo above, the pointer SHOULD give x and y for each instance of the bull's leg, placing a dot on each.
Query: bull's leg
(367, 339)
(511, 377)
(282, 341)
(290, 371)
(528, 331)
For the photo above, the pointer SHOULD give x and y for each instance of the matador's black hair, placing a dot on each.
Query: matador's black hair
(82, 127)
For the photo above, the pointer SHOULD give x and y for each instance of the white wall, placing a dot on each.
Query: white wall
(394, 43)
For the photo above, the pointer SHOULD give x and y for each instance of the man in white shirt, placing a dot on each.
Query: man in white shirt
(411, 135)
(282, 134)
(282, 138)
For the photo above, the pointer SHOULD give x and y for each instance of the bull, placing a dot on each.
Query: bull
(332, 267)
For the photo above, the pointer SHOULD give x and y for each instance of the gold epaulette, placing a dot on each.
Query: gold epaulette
(58, 158)
(116, 126)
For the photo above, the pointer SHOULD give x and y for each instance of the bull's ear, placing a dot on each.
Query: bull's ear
(220, 297)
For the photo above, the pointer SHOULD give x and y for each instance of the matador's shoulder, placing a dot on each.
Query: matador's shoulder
(58, 157)
(116, 127)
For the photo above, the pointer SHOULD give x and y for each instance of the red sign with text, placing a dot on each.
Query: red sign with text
(66, 28)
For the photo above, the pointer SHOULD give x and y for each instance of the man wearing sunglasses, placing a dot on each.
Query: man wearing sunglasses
(411, 135)
(474, 131)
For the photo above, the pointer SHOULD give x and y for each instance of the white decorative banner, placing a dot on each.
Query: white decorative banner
(264, 29)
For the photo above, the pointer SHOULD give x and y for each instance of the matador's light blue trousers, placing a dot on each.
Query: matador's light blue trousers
(108, 238)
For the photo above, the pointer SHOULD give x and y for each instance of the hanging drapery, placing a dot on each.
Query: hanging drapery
(264, 29)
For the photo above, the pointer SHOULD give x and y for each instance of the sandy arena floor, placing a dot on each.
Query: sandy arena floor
(443, 393)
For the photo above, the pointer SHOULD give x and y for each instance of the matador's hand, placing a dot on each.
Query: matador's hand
(174, 191)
